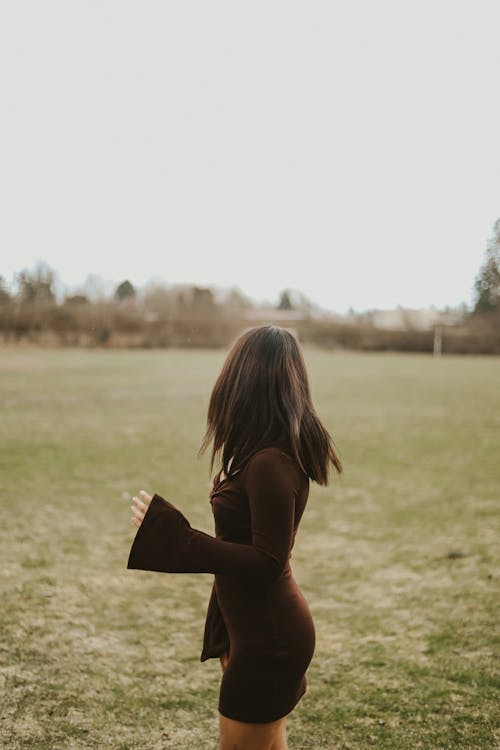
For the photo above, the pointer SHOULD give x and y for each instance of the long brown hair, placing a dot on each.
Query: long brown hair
(262, 398)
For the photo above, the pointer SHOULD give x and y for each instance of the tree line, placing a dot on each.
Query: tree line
(197, 316)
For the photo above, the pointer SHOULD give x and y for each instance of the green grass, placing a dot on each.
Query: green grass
(398, 557)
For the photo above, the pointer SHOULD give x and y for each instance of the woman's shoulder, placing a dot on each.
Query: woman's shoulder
(272, 452)
(273, 459)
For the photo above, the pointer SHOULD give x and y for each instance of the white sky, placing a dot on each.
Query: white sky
(348, 149)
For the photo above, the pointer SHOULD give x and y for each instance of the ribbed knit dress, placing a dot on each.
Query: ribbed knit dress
(256, 612)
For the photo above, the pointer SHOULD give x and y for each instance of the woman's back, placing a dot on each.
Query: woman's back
(265, 626)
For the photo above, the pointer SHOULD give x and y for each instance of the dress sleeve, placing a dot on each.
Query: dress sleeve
(166, 542)
(215, 638)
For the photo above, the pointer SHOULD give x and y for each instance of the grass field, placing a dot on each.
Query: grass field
(398, 557)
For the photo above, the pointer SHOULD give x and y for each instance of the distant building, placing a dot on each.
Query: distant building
(410, 319)
(268, 312)
(272, 313)
(398, 319)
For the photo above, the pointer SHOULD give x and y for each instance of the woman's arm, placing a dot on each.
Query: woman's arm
(166, 542)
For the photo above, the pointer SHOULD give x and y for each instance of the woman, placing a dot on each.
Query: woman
(262, 424)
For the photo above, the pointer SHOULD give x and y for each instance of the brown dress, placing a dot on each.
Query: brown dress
(256, 613)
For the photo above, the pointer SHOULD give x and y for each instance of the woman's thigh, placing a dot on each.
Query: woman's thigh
(240, 735)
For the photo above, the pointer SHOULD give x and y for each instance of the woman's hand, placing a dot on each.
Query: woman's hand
(140, 507)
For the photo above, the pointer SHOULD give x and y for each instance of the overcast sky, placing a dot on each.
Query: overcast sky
(347, 149)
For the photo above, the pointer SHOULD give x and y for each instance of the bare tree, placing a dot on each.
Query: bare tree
(36, 287)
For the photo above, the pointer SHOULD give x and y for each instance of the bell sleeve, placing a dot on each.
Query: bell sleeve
(166, 542)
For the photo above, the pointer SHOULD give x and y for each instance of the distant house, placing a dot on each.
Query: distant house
(268, 312)
(410, 319)
(272, 313)
(400, 318)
